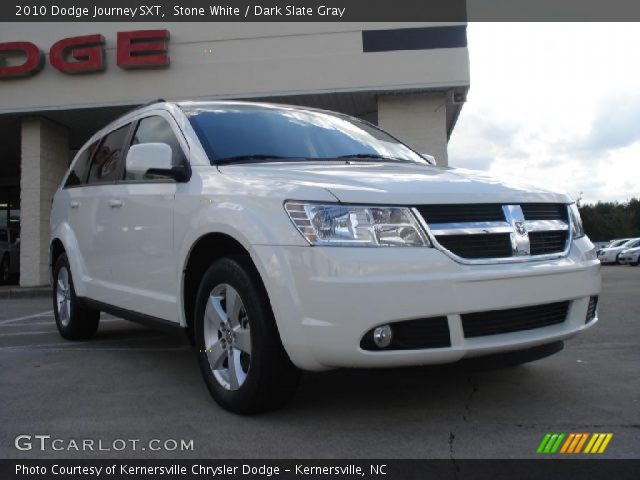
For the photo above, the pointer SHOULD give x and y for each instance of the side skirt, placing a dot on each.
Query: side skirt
(140, 318)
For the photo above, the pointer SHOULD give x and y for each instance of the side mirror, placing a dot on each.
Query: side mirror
(429, 158)
(154, 159)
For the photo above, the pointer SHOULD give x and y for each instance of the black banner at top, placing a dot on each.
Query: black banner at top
(317, 10)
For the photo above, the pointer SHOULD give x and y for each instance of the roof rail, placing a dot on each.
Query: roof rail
(152, 102)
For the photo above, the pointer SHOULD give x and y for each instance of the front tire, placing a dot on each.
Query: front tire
(241, 357)
(74, 321)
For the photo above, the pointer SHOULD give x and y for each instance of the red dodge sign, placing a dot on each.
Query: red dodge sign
(85, 54)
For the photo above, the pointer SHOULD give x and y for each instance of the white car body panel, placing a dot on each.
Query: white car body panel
(630, 256)
(324, 298)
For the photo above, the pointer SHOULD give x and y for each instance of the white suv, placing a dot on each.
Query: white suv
(285, 238)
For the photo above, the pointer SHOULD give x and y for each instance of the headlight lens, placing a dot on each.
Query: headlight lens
(336, 224)
(576, 222)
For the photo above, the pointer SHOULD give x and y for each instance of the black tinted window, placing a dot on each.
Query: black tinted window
(108, 161)
(78, 174)
(3, 236)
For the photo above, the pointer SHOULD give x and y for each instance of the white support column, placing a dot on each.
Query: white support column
(45, 157)
(419, 120)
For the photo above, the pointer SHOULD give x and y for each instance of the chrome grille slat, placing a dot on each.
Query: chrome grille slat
(509, 233)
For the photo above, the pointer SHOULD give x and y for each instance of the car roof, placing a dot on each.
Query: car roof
(187, 105)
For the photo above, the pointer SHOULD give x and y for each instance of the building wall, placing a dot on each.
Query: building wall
(45, 153)
(418, 120)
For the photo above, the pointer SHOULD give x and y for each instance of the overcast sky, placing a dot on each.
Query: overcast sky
(557, 104)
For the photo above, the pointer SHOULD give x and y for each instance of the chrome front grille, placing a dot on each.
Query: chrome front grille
(486, 233)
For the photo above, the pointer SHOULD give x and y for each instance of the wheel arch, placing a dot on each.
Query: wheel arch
(56, 248)
(204, 251)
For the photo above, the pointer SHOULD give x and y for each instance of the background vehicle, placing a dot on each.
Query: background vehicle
(9, 254)
(610, 244)
(611, 254)
(631, 256)
(285, 238)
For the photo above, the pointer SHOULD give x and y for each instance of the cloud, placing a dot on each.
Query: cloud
(546, 105)
(474, 162)
(616, 125)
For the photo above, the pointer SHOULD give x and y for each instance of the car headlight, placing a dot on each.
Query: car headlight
(347, 225)
(576, 222)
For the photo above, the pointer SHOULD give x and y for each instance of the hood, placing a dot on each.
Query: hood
(620, 249)
(391, 183)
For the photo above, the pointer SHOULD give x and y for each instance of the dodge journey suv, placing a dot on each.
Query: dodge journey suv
(284, 239)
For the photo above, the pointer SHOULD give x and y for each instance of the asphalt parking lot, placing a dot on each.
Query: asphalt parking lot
(134, 383)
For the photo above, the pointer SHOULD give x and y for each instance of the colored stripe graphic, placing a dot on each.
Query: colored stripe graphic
(595, 443)
(543, 443)
(598, 443)
(581, 442)
(565, 447)
(550, 443)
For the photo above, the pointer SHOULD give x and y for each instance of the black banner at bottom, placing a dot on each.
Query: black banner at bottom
(543, 468)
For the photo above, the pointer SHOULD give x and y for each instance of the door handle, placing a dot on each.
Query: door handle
(115, 203)
(74, 204)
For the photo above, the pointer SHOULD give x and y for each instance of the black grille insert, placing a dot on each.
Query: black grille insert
(480, 324)
(480, 212)
(494, 245)
(544, 211)
(543, 243)
(413, 334)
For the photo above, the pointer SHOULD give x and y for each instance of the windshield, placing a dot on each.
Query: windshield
(617, 243)
(248, 132)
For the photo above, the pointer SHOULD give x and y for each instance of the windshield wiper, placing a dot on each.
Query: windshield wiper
(374, 156)
(249, 158)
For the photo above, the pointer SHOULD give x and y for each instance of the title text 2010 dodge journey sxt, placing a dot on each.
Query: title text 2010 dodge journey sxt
(285, 238)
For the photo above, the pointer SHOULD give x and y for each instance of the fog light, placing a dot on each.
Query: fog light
(382, 336)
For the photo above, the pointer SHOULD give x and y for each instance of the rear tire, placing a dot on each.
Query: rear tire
(74, 321)
(241, 357)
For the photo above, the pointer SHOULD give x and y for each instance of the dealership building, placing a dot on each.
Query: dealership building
(60, 82)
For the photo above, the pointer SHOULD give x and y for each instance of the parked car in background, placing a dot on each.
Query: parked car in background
(631, 256)
(611, 254)
(9, 253)
(610, 244)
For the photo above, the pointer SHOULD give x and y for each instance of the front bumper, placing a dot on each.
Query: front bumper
(626, 259)
(326, 298)
(608, 257)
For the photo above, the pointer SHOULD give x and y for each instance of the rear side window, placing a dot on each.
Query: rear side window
(108, 161)
(78, 174)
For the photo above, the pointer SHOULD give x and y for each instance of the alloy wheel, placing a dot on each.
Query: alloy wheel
(63, 296)
(227, 337)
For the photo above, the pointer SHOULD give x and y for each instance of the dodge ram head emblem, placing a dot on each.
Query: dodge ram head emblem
(520, 228)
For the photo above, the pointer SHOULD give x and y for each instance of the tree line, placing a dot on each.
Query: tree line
(604, 221)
